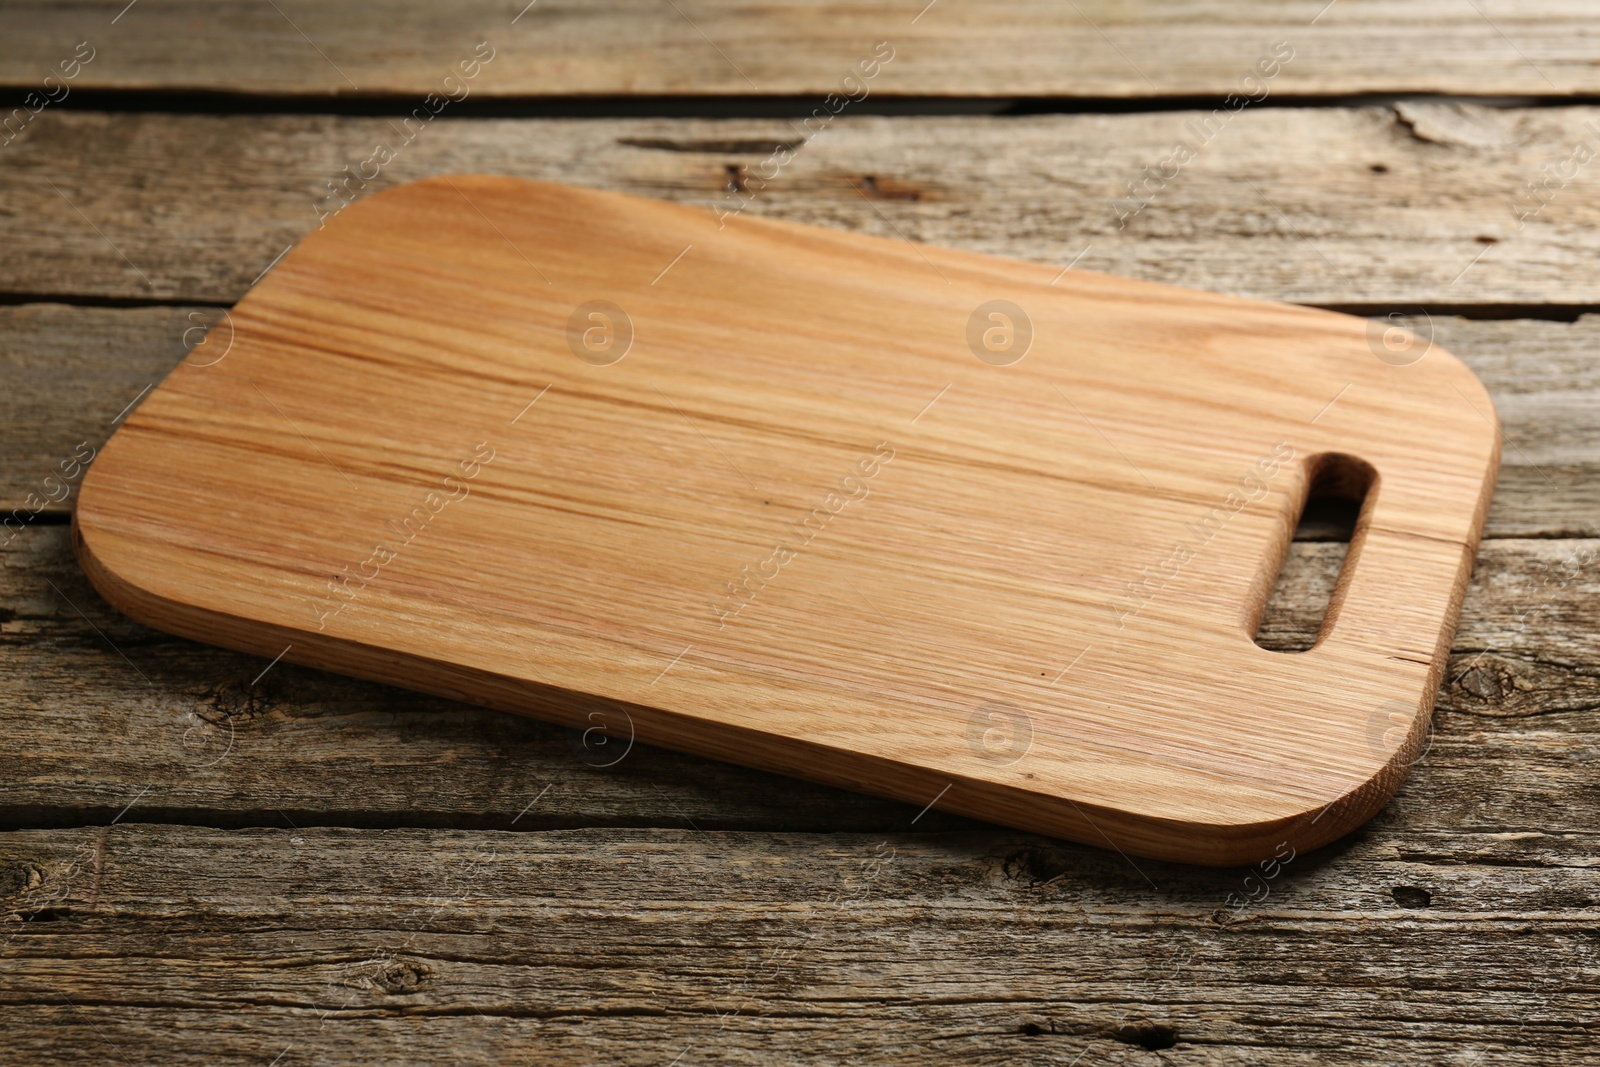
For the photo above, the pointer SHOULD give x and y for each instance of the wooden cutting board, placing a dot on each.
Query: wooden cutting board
(976, 534)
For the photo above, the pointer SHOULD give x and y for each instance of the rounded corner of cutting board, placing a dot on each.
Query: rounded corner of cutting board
(111, 560)
(1313, 824)
(97, 558)
(1475, 393)
(1482, 422)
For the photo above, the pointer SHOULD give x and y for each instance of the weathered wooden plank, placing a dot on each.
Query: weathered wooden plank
(1379, 207)
(188, 945)
(70, 372)
(1096, 48)
(101, 713)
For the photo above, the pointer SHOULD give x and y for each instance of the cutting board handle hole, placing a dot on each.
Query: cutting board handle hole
(1328, 531)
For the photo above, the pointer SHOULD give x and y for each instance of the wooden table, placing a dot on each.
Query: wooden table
(209, 858)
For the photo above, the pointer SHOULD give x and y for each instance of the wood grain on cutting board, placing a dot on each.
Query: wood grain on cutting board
(794, 499)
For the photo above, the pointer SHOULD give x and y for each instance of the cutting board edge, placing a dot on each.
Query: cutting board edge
(1213, 843)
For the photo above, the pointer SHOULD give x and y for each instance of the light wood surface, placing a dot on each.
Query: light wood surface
(1381, 208)
(738, 513)
(1127, 49)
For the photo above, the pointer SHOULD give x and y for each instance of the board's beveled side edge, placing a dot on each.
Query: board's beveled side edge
(1207, 844)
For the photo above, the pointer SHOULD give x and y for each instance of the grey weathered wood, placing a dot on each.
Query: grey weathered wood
(70, 371)
(191, 945)
(1149, 48)
(100, 712)
(1545, 382)
(1369, 206)
(69, 374)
